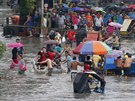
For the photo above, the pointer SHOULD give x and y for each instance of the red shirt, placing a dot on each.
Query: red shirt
(86, 67)
(51, 55)
(71, 34)
(42, 56)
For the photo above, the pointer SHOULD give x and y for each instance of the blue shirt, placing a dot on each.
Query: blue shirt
(69, 60)
(20, 50)
(58, 49)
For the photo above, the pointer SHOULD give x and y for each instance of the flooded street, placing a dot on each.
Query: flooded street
(58, 87)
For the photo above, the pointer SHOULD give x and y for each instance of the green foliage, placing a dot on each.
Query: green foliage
(26, 6)
(2, 49)
(1, 2)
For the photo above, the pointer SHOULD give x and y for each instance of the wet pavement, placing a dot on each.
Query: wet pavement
(58, 87)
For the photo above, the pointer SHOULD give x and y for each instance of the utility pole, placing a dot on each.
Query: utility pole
(42, 13)
(97, 3)
(60, 1)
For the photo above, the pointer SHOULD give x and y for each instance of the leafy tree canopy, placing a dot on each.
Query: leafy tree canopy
(1, 2)
(26, 6)
(2, 49)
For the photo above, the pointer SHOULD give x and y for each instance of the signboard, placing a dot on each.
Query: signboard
(125, 26)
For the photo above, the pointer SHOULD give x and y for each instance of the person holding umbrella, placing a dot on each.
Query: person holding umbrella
(15, 53)
(21, 50)
(14, 58)
(90, 20)
(98, 22)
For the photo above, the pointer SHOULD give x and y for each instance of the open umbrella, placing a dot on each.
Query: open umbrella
(112, 6)
(102, 11)
(114, 24)
(97, 8)
(115, 53)
(50, 42)
(13, 45)
(65, 6)
(93, 47)
(77, 49)
(132, 16)
(131, 6)
(75, 1)
(124, 8)
(77, 9)
(84, 6)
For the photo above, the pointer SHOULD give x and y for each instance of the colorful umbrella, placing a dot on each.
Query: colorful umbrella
(51, 42)
(114, 24)
(77, 49)
(13, 45)
(115, 53)
(93, 47)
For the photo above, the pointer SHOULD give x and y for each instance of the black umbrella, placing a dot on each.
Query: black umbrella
(84, 6)
(112, 7)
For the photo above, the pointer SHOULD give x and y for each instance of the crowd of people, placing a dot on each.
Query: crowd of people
(61, 18)
(73, 27)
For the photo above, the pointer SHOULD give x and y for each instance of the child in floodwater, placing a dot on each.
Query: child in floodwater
(68, 61)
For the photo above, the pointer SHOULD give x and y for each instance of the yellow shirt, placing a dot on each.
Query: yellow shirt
(96, 59)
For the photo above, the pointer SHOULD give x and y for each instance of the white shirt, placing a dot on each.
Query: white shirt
(98, 21)
(58, 38)
(61, 19)
(44, 22)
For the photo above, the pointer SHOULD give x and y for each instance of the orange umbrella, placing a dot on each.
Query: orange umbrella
(93, 47)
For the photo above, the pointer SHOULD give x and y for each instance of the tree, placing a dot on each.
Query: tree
(2, 49)
(25, 7)
(1, 2)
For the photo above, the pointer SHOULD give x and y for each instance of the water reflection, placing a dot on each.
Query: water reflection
(39, 87)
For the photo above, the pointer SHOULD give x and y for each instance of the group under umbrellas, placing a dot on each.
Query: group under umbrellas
(96, 48)
(92, 47)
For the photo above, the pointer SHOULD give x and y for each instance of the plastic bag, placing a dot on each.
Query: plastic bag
(122, 72)
(63, 39)
(23, 67)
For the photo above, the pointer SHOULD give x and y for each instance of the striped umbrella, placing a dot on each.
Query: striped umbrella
(93, 47)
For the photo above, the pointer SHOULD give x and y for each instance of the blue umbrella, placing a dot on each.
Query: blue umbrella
(132, 16)
(75, 1)
(65, 5)
(95, 47)
(77, 9)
